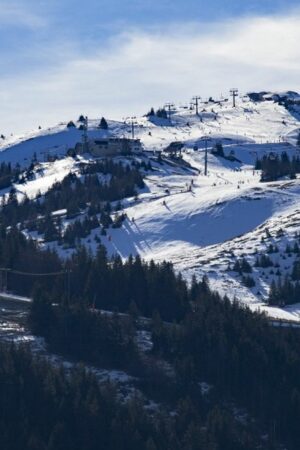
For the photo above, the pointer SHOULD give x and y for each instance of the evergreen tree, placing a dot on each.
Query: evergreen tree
(162, 113)
(219, 149)
(103, 124)
(150, 113)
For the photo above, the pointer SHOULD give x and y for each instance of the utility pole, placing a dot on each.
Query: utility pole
(234, 92)
(169, 106)
(196, 99)
(206, 139)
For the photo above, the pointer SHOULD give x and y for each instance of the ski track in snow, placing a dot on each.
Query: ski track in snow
(224, 214)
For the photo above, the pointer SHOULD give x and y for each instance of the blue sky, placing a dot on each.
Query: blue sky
(61, 57)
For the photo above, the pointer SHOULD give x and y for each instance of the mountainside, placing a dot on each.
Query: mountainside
(203, 224)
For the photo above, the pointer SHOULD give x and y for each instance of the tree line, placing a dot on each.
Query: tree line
(235, 351)
(75, 193)
(8, 174)
(43, 408)
(106, 283)
(243, 357)
(274, 166)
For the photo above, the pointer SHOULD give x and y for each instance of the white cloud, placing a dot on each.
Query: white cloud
(15, 14)
(141, 69)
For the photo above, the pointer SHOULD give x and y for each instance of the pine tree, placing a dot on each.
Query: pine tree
(150, 113)
(103, 124)
(51, 233)
(296, 270)
(162, 113)
(248, 281)
(219, 149)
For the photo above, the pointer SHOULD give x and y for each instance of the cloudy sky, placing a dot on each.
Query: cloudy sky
(61, 58)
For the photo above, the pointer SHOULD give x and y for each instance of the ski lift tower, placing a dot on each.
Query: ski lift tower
(234, 92)
(133, 123)
(195, 100)
(85, 139)
(206, 139)
(169, 106)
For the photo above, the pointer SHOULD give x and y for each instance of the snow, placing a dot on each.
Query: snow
(47, 175)
(248, 122)
(205, 223)
(14, 297)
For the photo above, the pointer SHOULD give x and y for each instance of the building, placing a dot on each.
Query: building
(174, 148)
(111, 147)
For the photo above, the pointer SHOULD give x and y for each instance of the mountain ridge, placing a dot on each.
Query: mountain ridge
(193, 220)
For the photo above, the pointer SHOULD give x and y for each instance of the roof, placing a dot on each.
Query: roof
(117, 140)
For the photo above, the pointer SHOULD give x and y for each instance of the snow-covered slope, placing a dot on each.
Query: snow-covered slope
(262, 122)
(222, 218)
(200, 223)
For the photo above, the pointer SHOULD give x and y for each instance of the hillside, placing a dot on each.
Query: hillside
(203, 224)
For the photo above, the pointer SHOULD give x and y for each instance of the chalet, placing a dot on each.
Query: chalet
(111, 147)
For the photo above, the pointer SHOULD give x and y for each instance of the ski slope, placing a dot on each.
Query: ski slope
(200, 223)
(264, 122)
(223, 218)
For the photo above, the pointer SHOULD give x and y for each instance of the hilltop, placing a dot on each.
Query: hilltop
(203, 224)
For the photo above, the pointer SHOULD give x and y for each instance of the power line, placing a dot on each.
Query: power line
(32, 274)
(4, 271)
